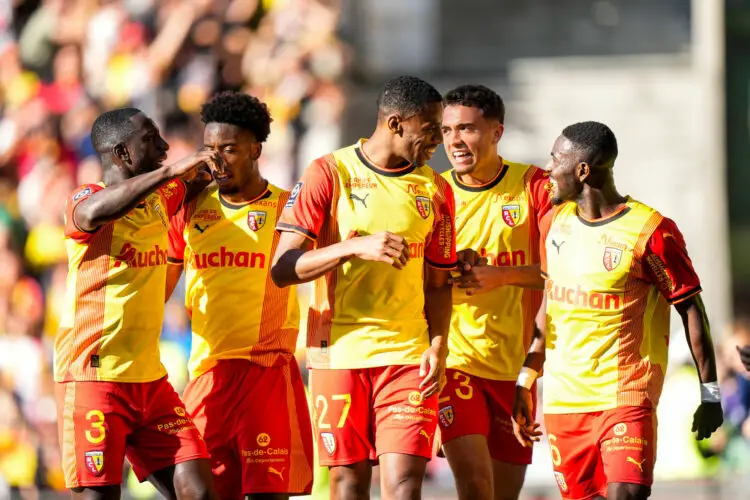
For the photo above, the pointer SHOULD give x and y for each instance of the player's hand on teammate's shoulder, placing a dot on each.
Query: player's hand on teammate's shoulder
(432, 369)
(707, 418)
(524, 427)
(381, 247)
(195, 165)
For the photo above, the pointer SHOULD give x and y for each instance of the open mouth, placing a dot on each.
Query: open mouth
(222, 177)
(462, 157)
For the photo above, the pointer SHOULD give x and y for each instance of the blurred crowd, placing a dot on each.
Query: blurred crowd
(62, 62)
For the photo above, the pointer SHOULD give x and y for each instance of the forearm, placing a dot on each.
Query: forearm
(297, 265)
(523, 276)
(174, 271)
(698, 333)
(117, 200)
(438, 308)
(538, 349)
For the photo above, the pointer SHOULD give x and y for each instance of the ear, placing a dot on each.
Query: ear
(255, 150)
(394, 124)
(120, 153)
(498, 133)
(583, 171)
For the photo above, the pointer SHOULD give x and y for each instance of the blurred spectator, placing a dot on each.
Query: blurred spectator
(64, 61)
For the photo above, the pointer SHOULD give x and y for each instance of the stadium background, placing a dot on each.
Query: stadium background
(671, 77)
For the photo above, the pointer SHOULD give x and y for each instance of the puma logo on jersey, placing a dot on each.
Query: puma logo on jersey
(557, 245)
(635, 462)
(201, 229)
(272, 470)
(353, 196)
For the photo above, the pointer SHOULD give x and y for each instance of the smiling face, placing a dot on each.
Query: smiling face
(567, 170)
(239, 152)
(420, 135)
(470, 139)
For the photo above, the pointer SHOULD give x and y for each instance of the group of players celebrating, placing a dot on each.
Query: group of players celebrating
(414, 348)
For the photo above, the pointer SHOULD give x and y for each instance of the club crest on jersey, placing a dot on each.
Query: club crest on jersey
(423, 206)
(612, 258)
(329, 442)
(256, 220)
(95, 462)
(511, 214)
(445, 416)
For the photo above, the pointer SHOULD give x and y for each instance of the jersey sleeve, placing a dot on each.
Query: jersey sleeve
(544, 225)
(177, 224)
(440, 251)
(667, 264)
(72, 230)
(309, 202)
(173, 193)
(539, 190)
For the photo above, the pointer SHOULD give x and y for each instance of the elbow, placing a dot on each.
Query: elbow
(277, 276)
(84, 218)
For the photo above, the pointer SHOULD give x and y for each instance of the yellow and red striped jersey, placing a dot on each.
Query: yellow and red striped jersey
(114, 303)
(368, 314)
(491, 332)
(237, 312)
(610, 283)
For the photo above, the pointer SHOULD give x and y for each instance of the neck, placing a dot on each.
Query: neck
(114, 174)
(248, 191)
(599, 202)
(484, 172)
(379, 151)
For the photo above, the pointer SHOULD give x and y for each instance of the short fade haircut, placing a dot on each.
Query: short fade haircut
(241, 110)
(478, 96)
(407, 95)
(111, 128)
(596, 139)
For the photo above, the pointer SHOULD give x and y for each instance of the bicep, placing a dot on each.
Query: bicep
(436, 278)
(289, 240)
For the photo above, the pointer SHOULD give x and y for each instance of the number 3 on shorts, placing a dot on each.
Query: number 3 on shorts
(554, 450)
(96, 434)
(321, 406)
(465, 383)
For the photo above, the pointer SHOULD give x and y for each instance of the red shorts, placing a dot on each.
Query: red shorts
(256, 424)
(101, 423)
(473, 405)
(591, 450)
(361, 414)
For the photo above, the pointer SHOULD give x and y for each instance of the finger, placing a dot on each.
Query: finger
(424, 365)
(469, 283)
(429, 377)
(430, 391)
(471, 257)
(482, 262)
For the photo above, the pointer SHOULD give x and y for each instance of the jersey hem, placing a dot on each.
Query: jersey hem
(63, 380)
(313, 366)
(592, 409)
(282, 226)
(501, 378)
(446, 267)
(685, 296)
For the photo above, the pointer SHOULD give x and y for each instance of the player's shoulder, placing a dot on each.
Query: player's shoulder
(85, 190)
(448, 175)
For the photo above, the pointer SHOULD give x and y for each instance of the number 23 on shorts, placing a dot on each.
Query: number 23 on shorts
(321, 410)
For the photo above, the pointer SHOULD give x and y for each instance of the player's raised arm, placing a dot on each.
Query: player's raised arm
(670, 269)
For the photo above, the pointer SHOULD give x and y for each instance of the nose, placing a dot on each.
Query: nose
(163, 145)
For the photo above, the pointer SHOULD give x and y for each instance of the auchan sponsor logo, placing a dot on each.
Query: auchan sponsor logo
(226, 258)
(585, 299)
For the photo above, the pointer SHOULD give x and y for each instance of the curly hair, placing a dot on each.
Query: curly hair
(244, 111)
(478, 96)
(596, 139)
(407, 95)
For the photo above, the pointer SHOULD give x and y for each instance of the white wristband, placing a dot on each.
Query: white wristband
(527, 377)
(710, 392)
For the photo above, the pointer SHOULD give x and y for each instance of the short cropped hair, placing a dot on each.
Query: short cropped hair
(480, 97)
(407, 95)
(111, 128)
(241, 110)
(596, 139)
